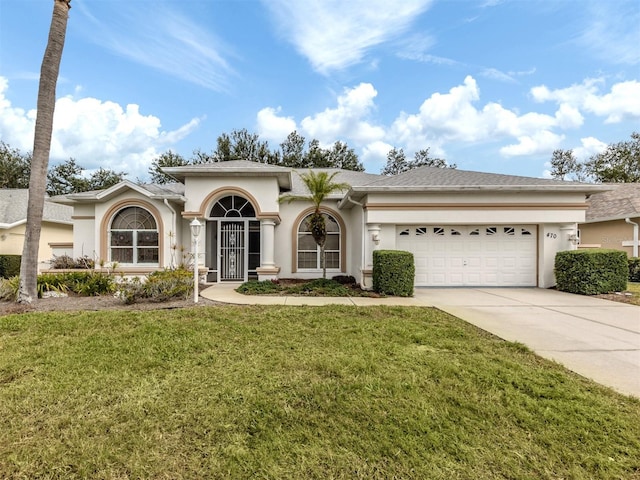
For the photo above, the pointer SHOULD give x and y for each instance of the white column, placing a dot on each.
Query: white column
(267, 243)
(267, 269)
(372, 242)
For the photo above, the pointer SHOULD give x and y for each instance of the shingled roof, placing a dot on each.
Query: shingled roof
(13, 209)
(448, 177)
(621, 202)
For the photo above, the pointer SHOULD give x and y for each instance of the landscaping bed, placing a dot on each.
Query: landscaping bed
(310, 288)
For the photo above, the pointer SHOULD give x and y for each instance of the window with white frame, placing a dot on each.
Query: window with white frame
(133, 237)
(309, 257)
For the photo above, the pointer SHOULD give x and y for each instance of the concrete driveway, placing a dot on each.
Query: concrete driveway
(596, 338)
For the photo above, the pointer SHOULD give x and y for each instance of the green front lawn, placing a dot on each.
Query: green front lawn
(296, 392)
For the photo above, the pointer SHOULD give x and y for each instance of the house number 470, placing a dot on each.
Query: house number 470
(552, 235)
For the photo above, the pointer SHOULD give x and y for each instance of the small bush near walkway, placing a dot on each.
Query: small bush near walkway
(591, 272)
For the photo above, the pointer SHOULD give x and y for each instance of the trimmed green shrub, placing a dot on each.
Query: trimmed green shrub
(393, 272)
(592, 271)
(634, 269)
(9, 265)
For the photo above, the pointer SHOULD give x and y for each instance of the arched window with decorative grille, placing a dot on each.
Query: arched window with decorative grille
(308, 254)
(133, 237)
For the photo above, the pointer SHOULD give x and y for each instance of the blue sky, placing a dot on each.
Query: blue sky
(492, 86)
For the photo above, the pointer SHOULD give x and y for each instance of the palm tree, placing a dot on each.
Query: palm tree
(41, 148)
(320, 186)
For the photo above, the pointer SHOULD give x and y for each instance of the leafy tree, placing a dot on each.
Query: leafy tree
(315, 155)
(104, 178)
(241, 145)
(66, 178)
(46, 103)
(341, 156)
(320, 185)
(167, 159)
(338, 156)
(15, 167)
(396, 162)
(619, 163)
(565, 166)
(422, 159)
(292, 151)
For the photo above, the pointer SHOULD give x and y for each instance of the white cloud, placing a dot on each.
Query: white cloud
(16, 124)
(375, 154)
(348, 120)
(272, 127)
(161, 38)
(96, 133)
(611, 31)
(589, 146)
(540, 142)
(620, 103)
(334, 34)
(455, 118)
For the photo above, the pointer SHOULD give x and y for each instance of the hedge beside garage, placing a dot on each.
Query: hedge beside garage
(393, 272)
(591, 272)
(634, 269)
(10, 265)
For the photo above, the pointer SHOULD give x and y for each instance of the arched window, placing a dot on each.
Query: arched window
(309, 257)
(133, 237)
(233, 206)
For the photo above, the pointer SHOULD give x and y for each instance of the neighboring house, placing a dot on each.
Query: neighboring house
(612, 219)
(56, 236)
(464, 228)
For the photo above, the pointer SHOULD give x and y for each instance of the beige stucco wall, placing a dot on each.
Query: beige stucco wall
(12, 240)
(609, 234)
(475, 208)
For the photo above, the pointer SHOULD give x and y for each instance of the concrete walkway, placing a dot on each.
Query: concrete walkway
(596, 338)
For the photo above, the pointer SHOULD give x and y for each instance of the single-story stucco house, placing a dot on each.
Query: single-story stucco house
(464, 228)
(613, 219)
(56, 236)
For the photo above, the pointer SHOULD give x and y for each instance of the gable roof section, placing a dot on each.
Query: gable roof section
(617, 204)
(13, 209)
(171, 191)
(434, 179)
(233, 168)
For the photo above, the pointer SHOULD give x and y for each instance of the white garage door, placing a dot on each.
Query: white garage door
(488, 255)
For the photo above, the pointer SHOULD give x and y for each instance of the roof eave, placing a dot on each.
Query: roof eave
(614, 218)
(181, 173)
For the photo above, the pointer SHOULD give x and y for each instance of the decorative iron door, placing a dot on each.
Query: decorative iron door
(232, 251)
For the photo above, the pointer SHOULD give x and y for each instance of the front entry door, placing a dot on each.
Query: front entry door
(232, 251)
